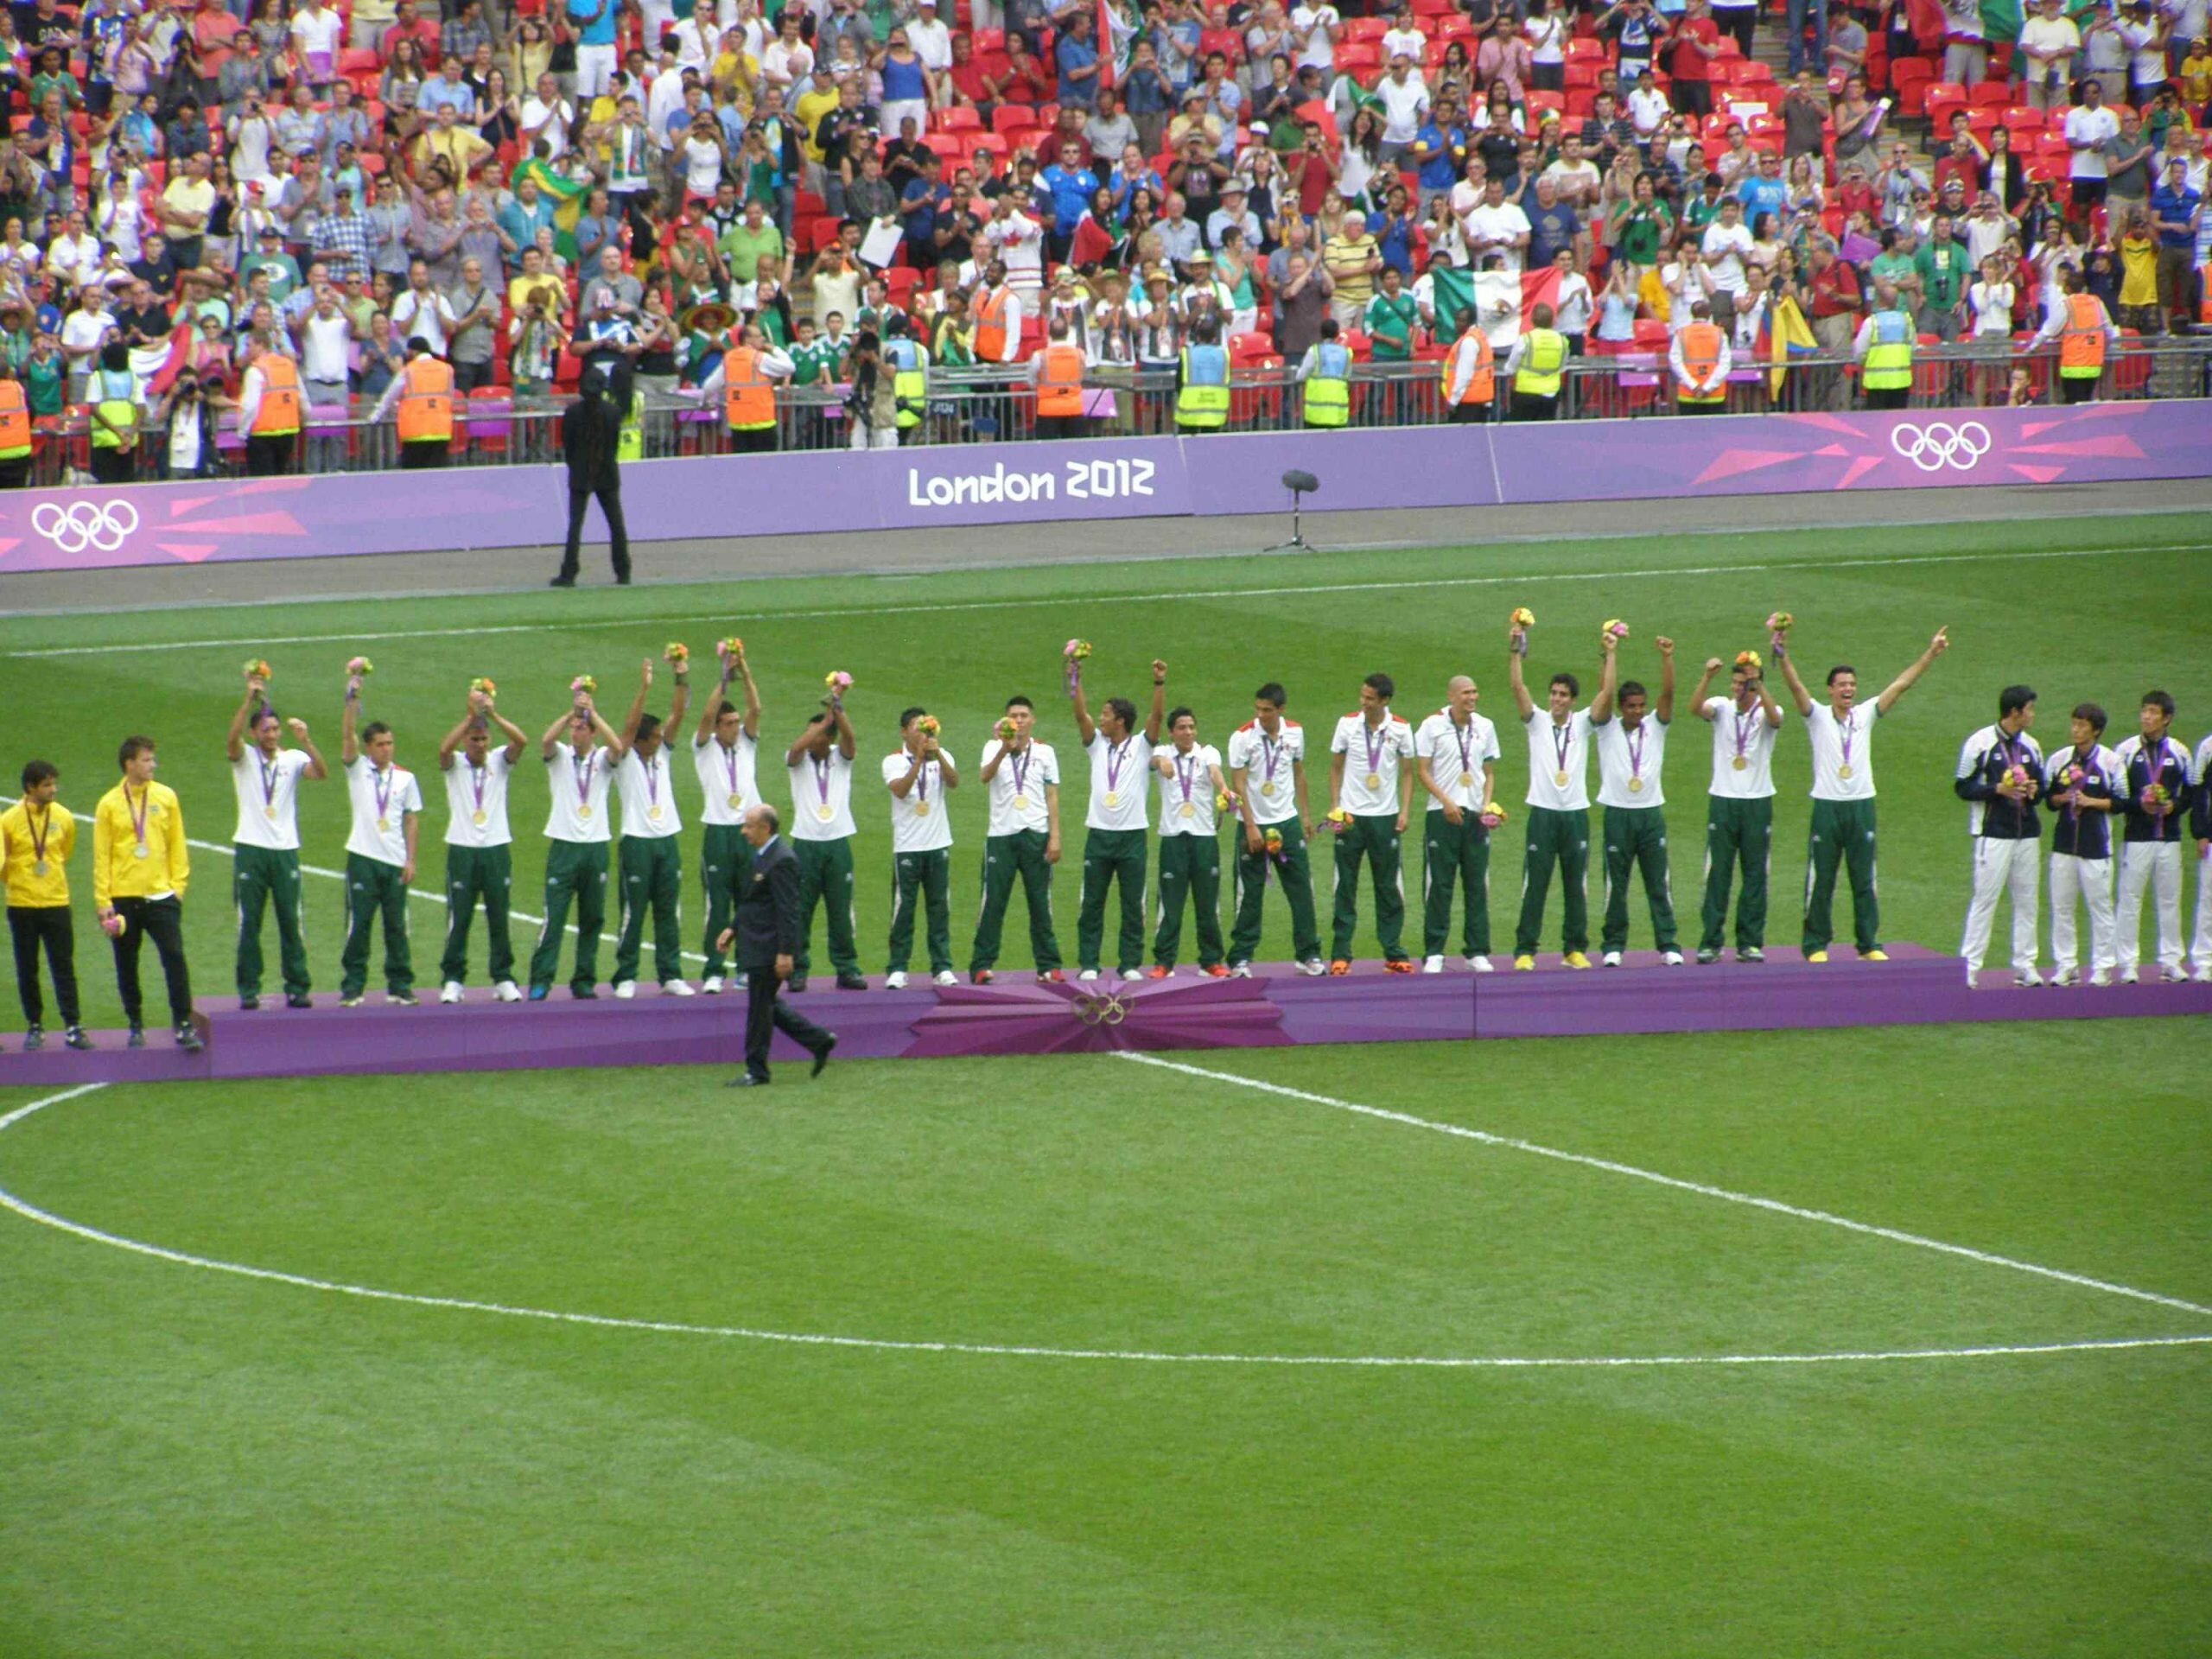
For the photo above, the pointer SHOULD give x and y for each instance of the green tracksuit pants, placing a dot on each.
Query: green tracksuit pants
(260, 878)
(1374, 840)
(1635, 842)
(1112, 856)
(1737, 834)
(650, 870)
(825, 870)
(1190, 868)
(475, 873)
(1294, 872)
(725, 858)
(1006, 859)
(1457, 857)
(921, 881)
(575, 873)
(1843, 833)
(374, 891)
(1560, 840)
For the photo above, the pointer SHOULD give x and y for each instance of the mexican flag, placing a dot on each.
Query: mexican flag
(566, 195)
(1119, 22)
(2000, 20)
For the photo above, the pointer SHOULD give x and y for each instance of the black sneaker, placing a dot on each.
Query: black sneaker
(562, 581)
(822, 1054)
(249, 1005)
(34, 1038)
(1707, 956)
(188, 1039)
(796, 982)
(1750, 953)
(299, 1000)
(137, 1038)
(404, 999)
(75, 1038)
(583, 994)
(852, 982)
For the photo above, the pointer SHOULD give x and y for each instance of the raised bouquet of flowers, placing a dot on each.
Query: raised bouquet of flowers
(927, 726)
(729, 650)
(360, 668)
(838, 681)
(1613, 631)
(1007, 730)
(484, 684)
(257, 668)
(1074, 654)
(1780, 623)
(583, 686)
(676, 653)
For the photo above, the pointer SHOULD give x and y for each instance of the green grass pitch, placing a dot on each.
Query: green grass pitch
(201, 1462)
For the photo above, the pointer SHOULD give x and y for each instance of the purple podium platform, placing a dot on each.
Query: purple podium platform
(1276, 1008)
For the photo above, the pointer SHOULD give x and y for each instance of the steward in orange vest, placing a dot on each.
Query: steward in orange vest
(15, 431)
(998, 317)
(747, 378)
(268, 410)
(1057, 376)
(1470, 375)
(1700, 358)
(421, 395)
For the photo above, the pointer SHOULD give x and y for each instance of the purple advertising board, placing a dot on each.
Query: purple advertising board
(466, 508)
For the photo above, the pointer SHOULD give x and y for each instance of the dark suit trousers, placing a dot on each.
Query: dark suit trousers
(618, 535)
(766, 1010)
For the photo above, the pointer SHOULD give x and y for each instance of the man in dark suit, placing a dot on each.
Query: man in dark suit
(765, 923)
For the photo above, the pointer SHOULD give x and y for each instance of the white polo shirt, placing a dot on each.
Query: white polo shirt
(380, 801)
(476, 801)
(729, 777)
(919, 822)
(269, 798)
(1558, 761)
(1629, 762)
(1748, 738)
(1268, 764)
(1371, 752)
(1186, 806)
(1455, 754)
(579, 784)
(648, 789)
(1843, 752)
(1016, 792)
(1117, 774)
(822, 797)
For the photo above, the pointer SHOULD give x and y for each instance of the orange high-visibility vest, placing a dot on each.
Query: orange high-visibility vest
(278, 417)
(990, 325)
(2082, 343)
(748, 398)
(426, 404)
(1700, 356)
(2204, 292)
(1059, 382)
(1481, 384)
(15, 421)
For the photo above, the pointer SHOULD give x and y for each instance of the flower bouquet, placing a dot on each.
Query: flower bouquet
(483, 685)
(257, 668)
(839, 682)
(113, 924)
(1073, 653)
(2155, 799)
(1750, 659)
(1613, 631)
(1491, 816)
(1338, 822)
(729, 650)
(1777, 629)
(1224, 801)
(360, 668)
(581, 687)
(677, 654)
(1007, 730)
(1271, 844)
(1523, 617)
(927, 726)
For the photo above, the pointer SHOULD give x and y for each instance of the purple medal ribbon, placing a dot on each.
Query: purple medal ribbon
(138, 812)
(1019, 762)
(1368, 735)
(38, 834)
(922, 782)
(269, 772)
(729, 764)
(1269, 747)
(1460, 735)
(1114, 759)
(652, 782)
(382, 780)
(820, 777)
(1185, 767)
(582, 769)
(1744, 726)
(1562, 740)
(1636, 750)
(1848, 731)
(479, 776)
(2012, 753)
(2154, 765)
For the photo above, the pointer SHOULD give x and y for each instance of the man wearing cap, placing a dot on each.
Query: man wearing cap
(1233, 211)
(421, 395)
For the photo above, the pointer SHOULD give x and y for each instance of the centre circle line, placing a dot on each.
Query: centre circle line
(31, 1211)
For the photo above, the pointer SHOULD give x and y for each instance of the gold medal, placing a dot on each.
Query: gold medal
(1268, 788)
(1373, 780)
(1739, 763)
(1189, 809)
(1844, 771)
(1559, 778)
(383, 823)
(653, 811)
(825, 812)
(480, 818)
(583, 811)
(1021, 802)
(1635, 786)
(921, 809)
(1113, 797)
(270, 811)
(737, 800)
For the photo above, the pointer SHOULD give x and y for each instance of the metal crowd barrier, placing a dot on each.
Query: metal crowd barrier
(997, 405)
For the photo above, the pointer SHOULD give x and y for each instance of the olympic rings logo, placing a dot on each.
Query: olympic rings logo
(84, 524)
(1939, 444)
(1106, 1010)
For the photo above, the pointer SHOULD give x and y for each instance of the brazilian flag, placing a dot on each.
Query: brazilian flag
(566, 195)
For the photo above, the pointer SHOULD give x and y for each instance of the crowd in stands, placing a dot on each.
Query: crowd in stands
(530, 186)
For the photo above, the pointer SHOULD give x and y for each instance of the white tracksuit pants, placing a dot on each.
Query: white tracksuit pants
(2088, 879)
(2155, 865)
(2000, 866)
(2200, 953)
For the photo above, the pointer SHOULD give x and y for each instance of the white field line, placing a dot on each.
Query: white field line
(1011, 1351)
(438, 899)
(1773, 1206)
(1147, 596)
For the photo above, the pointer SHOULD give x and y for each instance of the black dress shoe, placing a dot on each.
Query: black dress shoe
(746, 1080)
(822, 1054)
(562, 581)
(851, 982)
(623, 580)
(583, 994)
(299, 1000)
(796, 982)
(137, 1038)
(249, 1005)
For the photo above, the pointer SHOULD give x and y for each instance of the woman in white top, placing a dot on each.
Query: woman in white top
(1446, 241)
(703, 159)
(1750, 303)
(1547, 32)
